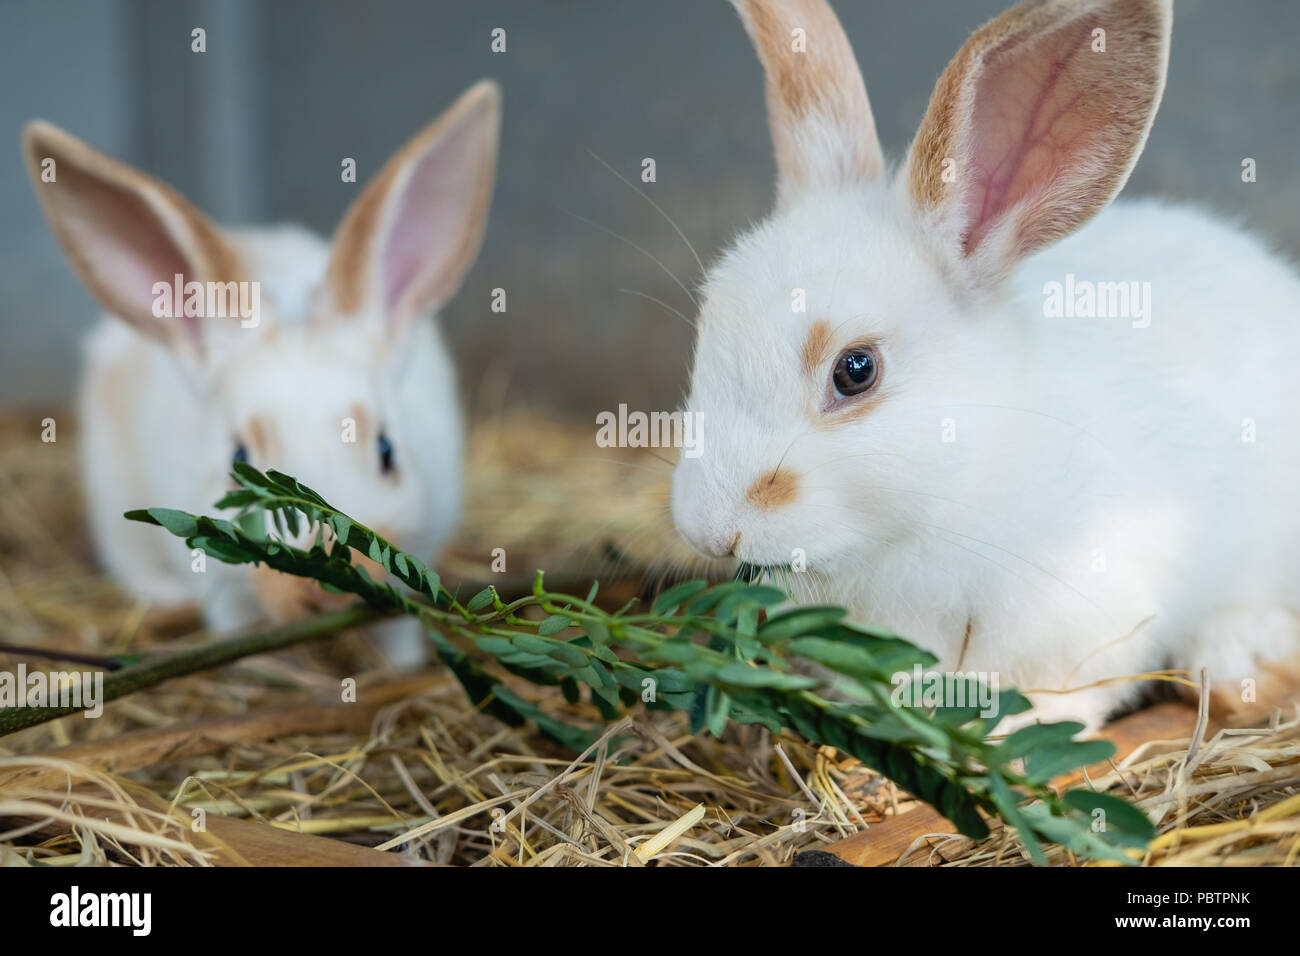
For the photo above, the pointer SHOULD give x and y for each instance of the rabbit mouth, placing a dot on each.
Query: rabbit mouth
(752, 573)
(749, 573)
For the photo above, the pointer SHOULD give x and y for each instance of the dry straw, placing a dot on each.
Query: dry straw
(259, 763)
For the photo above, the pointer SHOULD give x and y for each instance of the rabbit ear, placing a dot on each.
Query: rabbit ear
(817, 107)
(1037, 122)
(124, 231)
(410, 237)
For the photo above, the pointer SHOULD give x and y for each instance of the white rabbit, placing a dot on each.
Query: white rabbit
(340, 379)
(892, 396)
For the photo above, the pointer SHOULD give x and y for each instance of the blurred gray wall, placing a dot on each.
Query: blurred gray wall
(255, 130)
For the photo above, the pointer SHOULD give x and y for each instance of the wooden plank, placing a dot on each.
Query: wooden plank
(884, 843)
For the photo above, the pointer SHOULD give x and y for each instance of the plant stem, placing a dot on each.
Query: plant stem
(19, 650)
(155, 671)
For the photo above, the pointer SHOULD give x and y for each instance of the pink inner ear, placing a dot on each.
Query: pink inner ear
(427, 237)
(1032, 125)
(122, 245)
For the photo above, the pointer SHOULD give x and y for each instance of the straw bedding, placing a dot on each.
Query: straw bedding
(261, 761)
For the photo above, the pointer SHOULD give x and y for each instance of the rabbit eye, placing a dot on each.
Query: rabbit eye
(385, 453)
(856, 371)
(241, 454)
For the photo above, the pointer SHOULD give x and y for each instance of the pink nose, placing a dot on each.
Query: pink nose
(711, 545)
(700, 512)
(710, 535)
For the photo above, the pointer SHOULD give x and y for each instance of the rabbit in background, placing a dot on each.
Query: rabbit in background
(1065, 502)
(342, 378)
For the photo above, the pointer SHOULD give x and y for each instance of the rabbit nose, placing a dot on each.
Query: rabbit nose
(711, 543)
(700, 512)
(708, 533)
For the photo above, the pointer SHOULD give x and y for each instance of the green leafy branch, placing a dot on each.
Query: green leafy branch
(736, 651)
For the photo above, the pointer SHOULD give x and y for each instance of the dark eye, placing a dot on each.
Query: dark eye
(856, 371)
(385, 453)
(241, 454)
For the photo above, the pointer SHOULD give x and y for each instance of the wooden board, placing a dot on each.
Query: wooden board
(884, 843)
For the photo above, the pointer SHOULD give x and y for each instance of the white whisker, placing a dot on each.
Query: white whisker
(646, 196)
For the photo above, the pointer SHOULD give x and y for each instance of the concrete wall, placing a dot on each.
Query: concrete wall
(255, 129)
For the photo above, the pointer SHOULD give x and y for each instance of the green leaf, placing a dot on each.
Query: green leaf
(177, 522)
(668, 602)
(552, 625)
(1119, 814)
(718, 706)
(570, 655)
(598, 632)
(1011, 703)
(569, 687)
(223, 550)
(342, 526)
(1045, 763)
(1007, 806)
(748, 595)
(496, 646)
(744, 675)
(841, 658)
(533, 645)
(1076, 834)
(252, 524)
(798, 621)
(698, 713)
(480, 600)
(713, 660)
(249, 475)
(676, 650)
(236, 499)
(1031, 737)
(707, 601)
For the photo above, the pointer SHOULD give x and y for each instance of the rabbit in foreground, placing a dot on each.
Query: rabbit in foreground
(341, 378)
(893, 398)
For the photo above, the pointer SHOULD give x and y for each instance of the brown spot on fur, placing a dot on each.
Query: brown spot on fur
(851, 412)
(263, 441)
(363, 424)
(815, 345)
(823, 80)
(778, 487)
(258, 435)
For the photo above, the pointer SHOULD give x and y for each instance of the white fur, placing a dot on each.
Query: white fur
(344, 348)
(156, 435)
(1074, 437)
